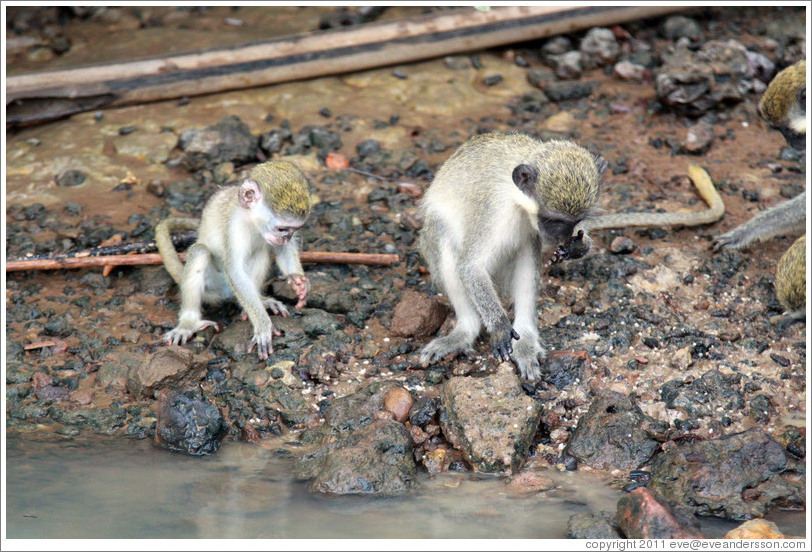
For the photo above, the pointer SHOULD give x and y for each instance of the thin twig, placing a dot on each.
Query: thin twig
(321, 257)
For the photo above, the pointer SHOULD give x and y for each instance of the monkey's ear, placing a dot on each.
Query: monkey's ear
(249, 194)
(525, 177)
(602, 164)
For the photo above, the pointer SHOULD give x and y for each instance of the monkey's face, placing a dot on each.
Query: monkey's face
(279, 230)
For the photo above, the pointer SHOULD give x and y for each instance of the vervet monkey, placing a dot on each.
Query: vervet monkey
(783, 105)
(241, 226)
(494, 205)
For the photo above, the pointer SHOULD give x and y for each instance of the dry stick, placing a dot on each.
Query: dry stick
(38, 97)
(325, 257)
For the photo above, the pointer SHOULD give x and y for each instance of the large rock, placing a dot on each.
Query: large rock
(188, 422)
(642, 514)
(490, 420)
(229, 140)
(591, 526)
(166, 368)
(738, 476)
(708, 395)
(615, 434)
(359, 452)
(375, 459)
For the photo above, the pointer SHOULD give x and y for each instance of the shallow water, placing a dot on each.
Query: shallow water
(118, 488)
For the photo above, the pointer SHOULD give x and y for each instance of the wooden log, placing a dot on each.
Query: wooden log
(41, 96)
(307, 257)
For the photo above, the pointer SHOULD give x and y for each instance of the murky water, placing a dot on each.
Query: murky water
(118, 488)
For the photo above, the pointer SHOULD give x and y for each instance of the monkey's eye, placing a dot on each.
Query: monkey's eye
(558, 228)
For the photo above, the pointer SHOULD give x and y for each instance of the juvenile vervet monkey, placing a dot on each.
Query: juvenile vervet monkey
(784, 107)
(241, 226)
(492, 208)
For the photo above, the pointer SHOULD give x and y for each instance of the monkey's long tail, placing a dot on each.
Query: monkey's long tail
(163, 239)
(705, 187)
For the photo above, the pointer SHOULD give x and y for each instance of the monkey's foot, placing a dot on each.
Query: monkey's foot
(264, 343)
(301, 286)
(181, 334)
(738, 238)
(528, 356)
(446, 345)
(275, 306)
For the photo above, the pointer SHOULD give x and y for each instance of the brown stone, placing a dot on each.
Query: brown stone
(756, 529)
(418, 315)
(643, 514)
(529, 482)
(167, 367)
(399, 402)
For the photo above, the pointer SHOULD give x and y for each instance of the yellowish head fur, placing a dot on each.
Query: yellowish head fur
(782, 95)
(284, 186)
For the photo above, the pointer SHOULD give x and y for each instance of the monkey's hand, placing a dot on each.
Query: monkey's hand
(301, 286)
(275, 306)
(263, 340)
(185, 330)
(501, 341)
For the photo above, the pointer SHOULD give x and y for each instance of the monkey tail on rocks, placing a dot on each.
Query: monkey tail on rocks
(706, 189)
(163, 239)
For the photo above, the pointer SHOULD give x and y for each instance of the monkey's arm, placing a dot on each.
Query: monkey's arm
(247, 293)
(163, 239)
(780, 219)
(705, 187)
(482, 293)
(290, 265)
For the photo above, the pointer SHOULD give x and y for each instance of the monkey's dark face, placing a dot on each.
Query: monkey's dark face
(795, 139)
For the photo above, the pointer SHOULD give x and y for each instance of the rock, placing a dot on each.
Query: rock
(679, 26)
(755, 529)
(375, 459)
(738, 476)
(563, 368)
(563, 91)
(599, 47)
(354, 411)
(614, 434)
(418, 315)
(567, 66)
(555, 47)
(693, 83)
(153, 147)
(629, 71)
(540, 77)
(490, 420)
(561, 122)
(188, 422)
(698, 139)
(116, 368)
(642, 514)
(457, 63)
(228, 140)
(424, 411)
(707, 395)
(621, 245)
(167, 367)
(529, 483)
(71, 177)
(591, 526)
(399, 402)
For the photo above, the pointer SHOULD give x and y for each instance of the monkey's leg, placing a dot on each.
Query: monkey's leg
(466, 330)
(780, 219)
(245, 274)
(192, 289)
(528, 350)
